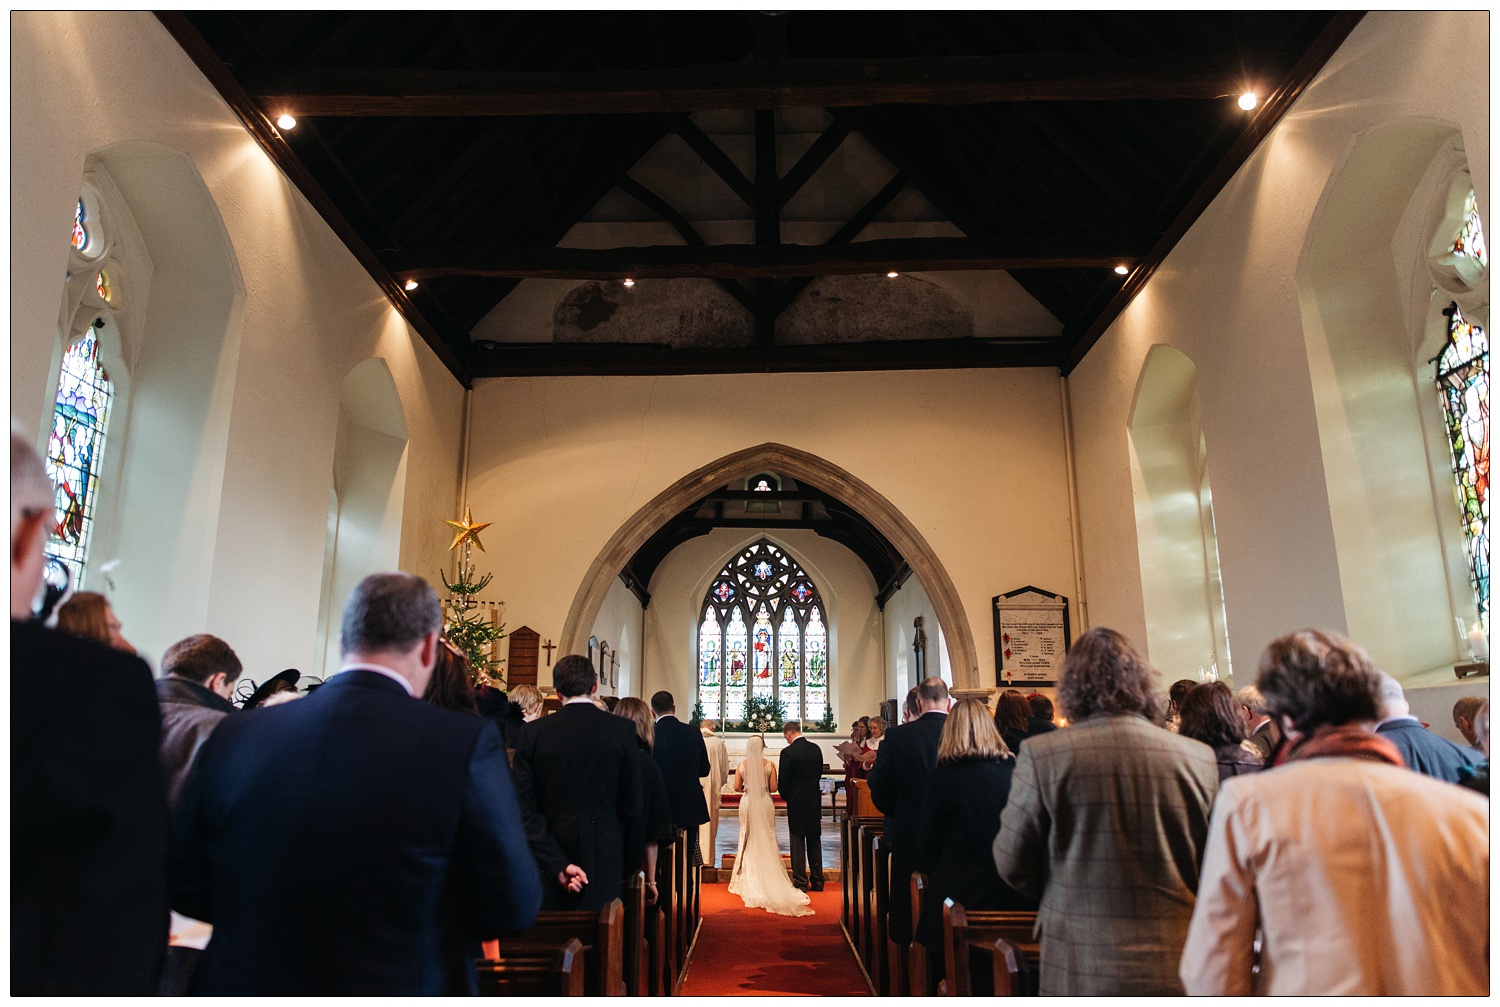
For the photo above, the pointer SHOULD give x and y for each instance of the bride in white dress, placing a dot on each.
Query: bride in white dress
(759, 877)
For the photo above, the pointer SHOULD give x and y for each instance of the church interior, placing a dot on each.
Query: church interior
(1144, 313)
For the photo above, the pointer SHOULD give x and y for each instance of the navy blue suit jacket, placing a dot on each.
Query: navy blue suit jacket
(683, 758)
(358, 841)
(1424, 751)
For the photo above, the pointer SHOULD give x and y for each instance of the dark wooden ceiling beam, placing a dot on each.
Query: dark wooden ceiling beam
(797, 83)
(717, 161)
(844, 123)
(489, 360)
(769, 262)
(1081, 338)
(686, 230)
(847, 233)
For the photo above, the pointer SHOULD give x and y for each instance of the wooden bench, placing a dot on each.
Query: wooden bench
(601, 936)
(535, 971)
(918, 975)
(635, 961)
(1016, 953)
(866, 901)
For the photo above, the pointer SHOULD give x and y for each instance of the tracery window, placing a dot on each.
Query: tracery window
(75, 450)
(1463, 379)
(763, 633)
(1470, 240)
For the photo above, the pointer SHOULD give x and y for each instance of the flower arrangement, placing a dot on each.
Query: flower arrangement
(763, 715)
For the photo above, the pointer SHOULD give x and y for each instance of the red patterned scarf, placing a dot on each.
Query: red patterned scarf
(1344, 742)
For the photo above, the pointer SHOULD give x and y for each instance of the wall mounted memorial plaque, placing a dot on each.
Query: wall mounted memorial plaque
(1031, 637)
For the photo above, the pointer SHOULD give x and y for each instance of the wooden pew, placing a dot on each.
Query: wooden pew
(866, 911)
(601, 935)
(962, 931)
(537, 971)
(634, 971)
(682, 853)
(667, 897)
(1005, 971)
(918, 976)
(880, 899)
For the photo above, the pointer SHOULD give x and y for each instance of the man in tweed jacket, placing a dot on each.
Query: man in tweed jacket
(1106, 824)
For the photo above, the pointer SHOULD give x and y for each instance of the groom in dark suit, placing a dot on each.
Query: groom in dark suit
(358, 841)
(799, 777)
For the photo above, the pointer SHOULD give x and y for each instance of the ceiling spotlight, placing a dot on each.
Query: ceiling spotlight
(411, 284)
(892, 275)
(1122, 269)
(627, 282)
(285, 121)
(1249, 100)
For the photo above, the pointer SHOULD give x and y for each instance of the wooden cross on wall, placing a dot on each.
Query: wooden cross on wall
(549, 647)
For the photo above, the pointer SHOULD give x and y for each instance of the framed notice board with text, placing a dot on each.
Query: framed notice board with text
(1032, 636)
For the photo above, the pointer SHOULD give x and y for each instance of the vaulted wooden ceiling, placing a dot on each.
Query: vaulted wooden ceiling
(458, 149)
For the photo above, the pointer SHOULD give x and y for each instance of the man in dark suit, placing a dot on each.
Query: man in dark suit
(580, 790)
(1420, 748)
(898, 785)
(1264, 734)
(88, 802)
(683, 757)
(799, 775)
(359, 841)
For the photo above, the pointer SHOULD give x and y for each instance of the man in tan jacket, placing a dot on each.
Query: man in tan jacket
(1364, 878)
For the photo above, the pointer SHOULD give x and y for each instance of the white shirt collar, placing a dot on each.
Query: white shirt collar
(579, 699)
(380, 670)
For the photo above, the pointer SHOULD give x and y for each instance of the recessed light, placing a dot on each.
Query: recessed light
(1249, 100)
(1122, 269)
(627, 282)
(892, 275)
(411, 284)
(285, 121)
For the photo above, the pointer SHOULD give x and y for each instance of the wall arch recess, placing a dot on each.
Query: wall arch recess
(802, 466)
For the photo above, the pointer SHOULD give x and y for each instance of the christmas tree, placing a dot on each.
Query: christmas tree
(467, 627)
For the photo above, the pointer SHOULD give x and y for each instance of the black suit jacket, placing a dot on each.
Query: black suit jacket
(358, 841)
(956, 832)
(898, 780)
(800, 772)
(683, 758)
(88, 819)
(580, 787)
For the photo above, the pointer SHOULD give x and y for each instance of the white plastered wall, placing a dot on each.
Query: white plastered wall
(82, 81)
(621, 625)
(974, 459)
(901, 612)
(1227, 297)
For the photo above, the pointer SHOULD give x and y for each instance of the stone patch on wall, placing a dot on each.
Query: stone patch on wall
(678, 312)
(857, 309)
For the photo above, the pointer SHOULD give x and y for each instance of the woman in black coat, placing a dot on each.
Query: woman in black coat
(654, 828)
(960, 818)
(1210, 715)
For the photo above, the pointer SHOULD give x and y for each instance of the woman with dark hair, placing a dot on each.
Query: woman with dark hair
(1105, 824)
(1175, 695)
(654, 827)
(449, 686)
(855, 767)
(960, 816)
(1343, 873)
(1012, 718)
(1209, 715)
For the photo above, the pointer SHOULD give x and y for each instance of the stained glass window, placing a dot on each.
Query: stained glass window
(75, 451)
(80, 232)
(1464, 381)
(763, 625)
(1470, 240)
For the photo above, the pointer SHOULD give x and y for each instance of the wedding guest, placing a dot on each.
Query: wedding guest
(1012, 718)
(898, 786)
(1175, 695)
(909, 711)
(579, 782)
(529, 699)
(197, 679)
(1463, 719)
(683, 758)
(89, 826)
(1040, 721)
(1478, 778)
(1210, 715)
(653, 828)
(1264, 734)
(450, 687)
(88, 614)
(1340, 873)
(1105, 825)
(1420, 749)
(960, 816)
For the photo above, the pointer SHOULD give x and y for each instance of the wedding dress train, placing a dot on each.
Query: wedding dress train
(759, 878)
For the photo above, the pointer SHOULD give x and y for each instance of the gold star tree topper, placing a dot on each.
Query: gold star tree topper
(467, 531)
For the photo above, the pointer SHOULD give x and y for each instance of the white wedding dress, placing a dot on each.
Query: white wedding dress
(759, 877)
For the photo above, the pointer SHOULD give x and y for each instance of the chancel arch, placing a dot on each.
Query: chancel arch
(805, 468)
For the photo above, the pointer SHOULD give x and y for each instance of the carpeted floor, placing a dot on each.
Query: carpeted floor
(750, 952)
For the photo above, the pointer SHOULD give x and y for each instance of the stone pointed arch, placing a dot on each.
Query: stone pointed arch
(804, 467)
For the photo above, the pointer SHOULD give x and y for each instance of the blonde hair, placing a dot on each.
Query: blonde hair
(636, 711)
(528, 698)
(84, 615)
(970, 733)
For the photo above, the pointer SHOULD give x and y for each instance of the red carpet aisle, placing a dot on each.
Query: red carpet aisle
(750, 952)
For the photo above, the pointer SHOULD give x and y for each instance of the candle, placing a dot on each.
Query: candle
(1479, 645)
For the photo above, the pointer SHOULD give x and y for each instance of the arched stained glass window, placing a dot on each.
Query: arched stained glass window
(80, 232)
(75, 450)
(1463, 378)
(1470, 240)
(763, 634)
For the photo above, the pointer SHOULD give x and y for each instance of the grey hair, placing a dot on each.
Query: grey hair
(1249, 697)
(1390, 689)
(31, 492)
(389, 611)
